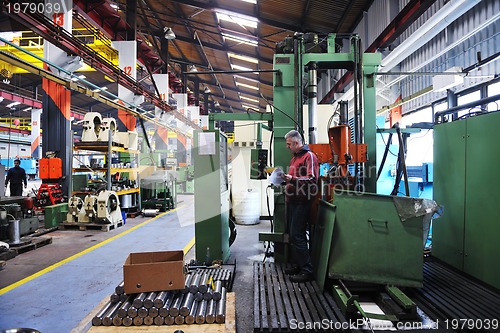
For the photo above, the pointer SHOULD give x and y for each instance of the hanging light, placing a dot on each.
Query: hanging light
(169, 33)
(207, 90)
(192, 68)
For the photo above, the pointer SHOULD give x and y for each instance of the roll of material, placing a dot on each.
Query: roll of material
(149, 212)
(126, 201)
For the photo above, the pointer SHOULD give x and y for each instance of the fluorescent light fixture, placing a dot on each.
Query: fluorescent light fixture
(27, 109)
(12, 104)
(81, 77)
(99, 89)
(242, 68)
(247, 21)
(239, 39)
(169, 33)
(242, 57)
(248, 106)
(244, 85)
(245, 78)
(249, 99)
(250, 1)
(114, 6)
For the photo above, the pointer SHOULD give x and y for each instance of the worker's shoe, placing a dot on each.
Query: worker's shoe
(302, 277)
(292, 270)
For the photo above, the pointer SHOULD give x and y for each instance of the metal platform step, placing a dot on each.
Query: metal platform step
(280, 305)
(456, 301)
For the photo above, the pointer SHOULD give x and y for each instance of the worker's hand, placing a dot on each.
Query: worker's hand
(25, 186)
(286, 177)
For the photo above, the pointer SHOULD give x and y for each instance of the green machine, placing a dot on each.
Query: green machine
(465, 164)
(211, 198)
(158, 191)
(299, 57)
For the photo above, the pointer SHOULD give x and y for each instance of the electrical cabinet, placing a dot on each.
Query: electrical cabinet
(466, 161)
(211, 195)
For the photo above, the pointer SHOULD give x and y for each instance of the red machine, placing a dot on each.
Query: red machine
(50, 192)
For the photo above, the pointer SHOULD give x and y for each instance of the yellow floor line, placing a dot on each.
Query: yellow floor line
(90, 249)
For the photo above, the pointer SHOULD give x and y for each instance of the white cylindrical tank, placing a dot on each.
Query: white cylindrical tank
(246, 207)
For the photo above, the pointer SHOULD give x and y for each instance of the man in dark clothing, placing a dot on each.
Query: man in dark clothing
(300, 191)
(16, 176)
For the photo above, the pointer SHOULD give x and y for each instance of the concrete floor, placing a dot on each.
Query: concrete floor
(55, 286)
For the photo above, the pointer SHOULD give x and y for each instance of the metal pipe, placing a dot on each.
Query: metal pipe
(235, 72)
(160, 299)
(164, 311)
(179, 320)
(190, 318)
(203, 286)
(132, 311)
(120, 289)
(122, 311)
(142, 312)
(148, 321)
(149, 300)
(187, 283)
(218, 290)
(169, 320)
(220, 317)
(176, 304)
(482, 101)
(107, 320)
(139, 299)
(117, 321)
(211, 310)
(138, 321)
(14, 233)
(97, 320)
(153, 312)
(193, 288)
(159, 320)
(201, 311)
(186, 304)
(127, 321)
(208, 295)
(312, 102)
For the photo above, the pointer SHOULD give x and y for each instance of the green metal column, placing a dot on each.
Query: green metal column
(371, 61)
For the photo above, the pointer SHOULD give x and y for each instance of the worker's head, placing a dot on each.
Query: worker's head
(294, 141)
(17, 162)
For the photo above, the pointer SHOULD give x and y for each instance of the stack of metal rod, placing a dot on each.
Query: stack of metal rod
(201, 301)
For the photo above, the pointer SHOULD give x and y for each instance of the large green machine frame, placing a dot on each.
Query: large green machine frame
(288, 100)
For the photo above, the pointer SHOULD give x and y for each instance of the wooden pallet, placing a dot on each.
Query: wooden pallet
(36, 242)
(228, 327)
(280, 305)
(89, 226)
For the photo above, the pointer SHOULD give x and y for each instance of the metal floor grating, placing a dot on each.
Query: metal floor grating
(280, 305)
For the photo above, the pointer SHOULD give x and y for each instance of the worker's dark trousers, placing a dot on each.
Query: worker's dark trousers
(298, 223)
(16, 190)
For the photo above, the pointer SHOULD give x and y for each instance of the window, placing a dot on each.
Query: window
(468, 98)
(419, 146)
(494, 89)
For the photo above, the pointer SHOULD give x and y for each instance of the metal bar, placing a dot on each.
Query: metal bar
(153, 312)
(122, 311)
(148, 321)
(186, 304)
(107, 320)
(211, 309)
(235, 72)
(218, 290)
(201, 312)
(159, 320)
(139, 299)
(486, 100)
(97, 320)
(138, 321)
(160, 299)
(164, 311)
(220, 316)
(169, 320)
(127, 321)
(179, 320)
(176, 304)
(142, 312)
(195, 281)
(120, 289)
(117, 321)
(149, 300)
(190, 318)
(132, 311)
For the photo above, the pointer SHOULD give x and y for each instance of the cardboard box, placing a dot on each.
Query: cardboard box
(153, 271)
